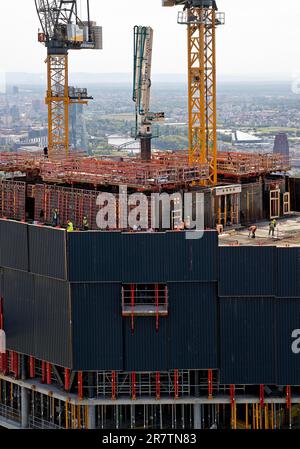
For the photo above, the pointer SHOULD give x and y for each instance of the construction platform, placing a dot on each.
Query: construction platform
(165, 170)
(287, 234)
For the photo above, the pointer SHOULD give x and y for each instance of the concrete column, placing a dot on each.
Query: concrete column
(25, 407)
(92, 417)
(197, 417)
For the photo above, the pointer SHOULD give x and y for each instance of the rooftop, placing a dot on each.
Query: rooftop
(287, 233)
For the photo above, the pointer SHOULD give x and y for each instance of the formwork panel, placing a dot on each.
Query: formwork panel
(47, 251)
(17, 290)
(192, 259)
(52, 321)
(36, 316)
(97, 327)
(193, 325)
(247, 271)
(94, 256)
(248, 343)
(13, 245)
(144, 257)
(288, 272)
(145, 348)
(288, 341)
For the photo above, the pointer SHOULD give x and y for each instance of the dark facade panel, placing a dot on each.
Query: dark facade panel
(193, 325)
(192, 259)
(52, 316)
(288, 341)
(13, 245)
(145, 348)
(97, 327)
(144, 257)
(94, 256)
(17, 289)
(288, 272)
(47, 251)
(248, 271)
(37, 316)
(248, 344)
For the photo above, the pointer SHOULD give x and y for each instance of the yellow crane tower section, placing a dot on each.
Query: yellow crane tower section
(201, 18)
(62, 30)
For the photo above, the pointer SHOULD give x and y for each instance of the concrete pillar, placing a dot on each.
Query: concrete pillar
(24, 407)
(92, 417)
(197, 417)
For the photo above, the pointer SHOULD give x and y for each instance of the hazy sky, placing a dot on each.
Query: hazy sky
(261, 37)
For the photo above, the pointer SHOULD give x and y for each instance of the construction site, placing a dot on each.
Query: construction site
(130, 327)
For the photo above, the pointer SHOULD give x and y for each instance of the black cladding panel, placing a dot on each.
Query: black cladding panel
(13, 245)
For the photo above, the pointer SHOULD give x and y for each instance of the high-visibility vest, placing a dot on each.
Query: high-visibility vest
(70, 227)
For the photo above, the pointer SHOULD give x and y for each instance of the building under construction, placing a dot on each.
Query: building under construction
(142, 327)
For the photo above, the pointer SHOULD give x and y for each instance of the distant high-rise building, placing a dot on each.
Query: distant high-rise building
(78, 131)
(281, 145)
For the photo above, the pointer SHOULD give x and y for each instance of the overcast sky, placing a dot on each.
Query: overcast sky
(260, 38)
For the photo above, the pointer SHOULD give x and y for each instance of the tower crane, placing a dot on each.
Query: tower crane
(63, 30)
(143, 44)
(201, 18)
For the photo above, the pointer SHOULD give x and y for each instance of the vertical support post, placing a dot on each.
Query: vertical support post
(157, 378)
(25, 408)
(67, 379)
(210, 384)
(31, 367)
(113, 385)
(80, 385)
(232, 405)
(43, 372)
(288, 397)
(133, 386)
(91, 417)
(25, 404)
(15, 363)
(262, 396)
(176, 384)
(48, 373)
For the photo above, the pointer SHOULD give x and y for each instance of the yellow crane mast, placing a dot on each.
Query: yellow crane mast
(201, 18)
(63, 30)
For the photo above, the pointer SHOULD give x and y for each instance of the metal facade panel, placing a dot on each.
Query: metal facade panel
(37, 318)
(288, 341)
(144, 257)
(288, 272)
(192, 259)
(52, 317)
(193, 325)
(247, 271)
(146, 349)
(17, 290)
(248, 344)
(94, 256)
(97, 327)
(47, 251)
(13, 245)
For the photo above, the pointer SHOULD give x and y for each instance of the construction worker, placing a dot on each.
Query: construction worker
(55, 218)
(85, 224)
(272, 227)
(46, 152)
(252, 232)
(70, 227)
